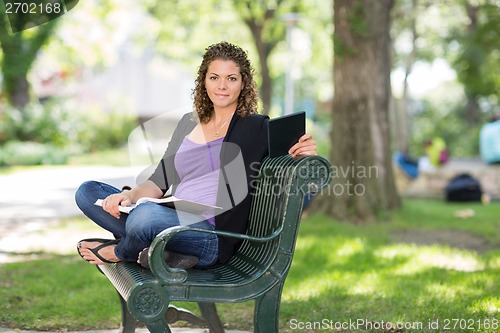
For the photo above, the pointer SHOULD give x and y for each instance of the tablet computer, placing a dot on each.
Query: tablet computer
(285, 131)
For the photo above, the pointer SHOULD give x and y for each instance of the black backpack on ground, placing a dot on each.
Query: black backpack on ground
(463, 187)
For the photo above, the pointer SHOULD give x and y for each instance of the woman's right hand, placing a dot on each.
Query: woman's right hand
(111, 203)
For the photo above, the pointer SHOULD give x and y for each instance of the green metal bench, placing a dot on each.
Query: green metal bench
(256, 272)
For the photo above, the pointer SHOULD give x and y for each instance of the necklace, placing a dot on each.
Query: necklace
(217, 132)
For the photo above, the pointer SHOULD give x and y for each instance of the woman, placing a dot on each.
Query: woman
(225, 112)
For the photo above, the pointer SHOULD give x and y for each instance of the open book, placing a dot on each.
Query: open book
(172, 202)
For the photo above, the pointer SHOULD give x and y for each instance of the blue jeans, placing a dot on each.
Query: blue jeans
(138, 229)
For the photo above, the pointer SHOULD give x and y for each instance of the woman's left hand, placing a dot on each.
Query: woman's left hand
(305, 147)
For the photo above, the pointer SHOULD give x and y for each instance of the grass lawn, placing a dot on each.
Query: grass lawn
(423, 269)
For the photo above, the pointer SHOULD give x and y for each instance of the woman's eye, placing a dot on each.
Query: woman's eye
(213, 78)
(232, 79)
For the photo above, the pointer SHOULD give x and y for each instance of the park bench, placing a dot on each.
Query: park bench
(256, 272)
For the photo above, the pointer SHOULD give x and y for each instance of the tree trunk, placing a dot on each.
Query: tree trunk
(363, 182)
(19, 95)
(263, 52)
(472, 111)
(260, 17)
(403, 128)
(15, 73)
(19, 53)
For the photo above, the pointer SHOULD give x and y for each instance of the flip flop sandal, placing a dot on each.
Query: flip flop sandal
(173, 259)
(96, 249)
(99, 240)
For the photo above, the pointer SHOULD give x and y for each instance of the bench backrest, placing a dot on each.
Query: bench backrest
(277, 207)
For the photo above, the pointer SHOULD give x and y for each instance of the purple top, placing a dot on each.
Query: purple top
(198, 168)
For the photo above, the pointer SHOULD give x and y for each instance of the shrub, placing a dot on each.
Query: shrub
(48, 133)
(98, 130)
(31, 153)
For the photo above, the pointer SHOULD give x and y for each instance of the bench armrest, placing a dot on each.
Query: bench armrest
(162, 271)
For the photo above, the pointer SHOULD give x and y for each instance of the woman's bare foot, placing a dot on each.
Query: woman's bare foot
(98, 253)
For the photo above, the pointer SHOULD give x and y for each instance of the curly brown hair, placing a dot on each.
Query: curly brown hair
(249, 97)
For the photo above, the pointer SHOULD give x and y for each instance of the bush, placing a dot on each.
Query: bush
(31, 153)
(99, 131)
(48, 133)
(34, 123)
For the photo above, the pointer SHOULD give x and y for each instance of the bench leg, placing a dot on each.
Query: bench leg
(159, 326)
(128, 321)
(175, 314)
(209, 312)
(267, 311)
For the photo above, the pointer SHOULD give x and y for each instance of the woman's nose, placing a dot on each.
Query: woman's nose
(222, 84)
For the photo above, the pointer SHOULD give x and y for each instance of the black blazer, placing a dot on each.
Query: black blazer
(246, 135)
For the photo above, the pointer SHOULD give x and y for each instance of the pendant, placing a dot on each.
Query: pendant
(216, 134)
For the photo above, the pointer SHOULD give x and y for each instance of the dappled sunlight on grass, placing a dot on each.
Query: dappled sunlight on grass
(441, 290)
(456, 260)
(367, 284)
(335, 264)
(494, 262)
(312, 287)
(420, 258)
(489, 305)
(343, 271)
(340, 272)
(351, 247)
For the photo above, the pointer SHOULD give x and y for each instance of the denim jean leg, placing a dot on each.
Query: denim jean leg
(147, 220)
(85, 197)
(203, 245)
(143, 224)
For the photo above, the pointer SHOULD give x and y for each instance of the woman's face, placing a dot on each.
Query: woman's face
(224, 84)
